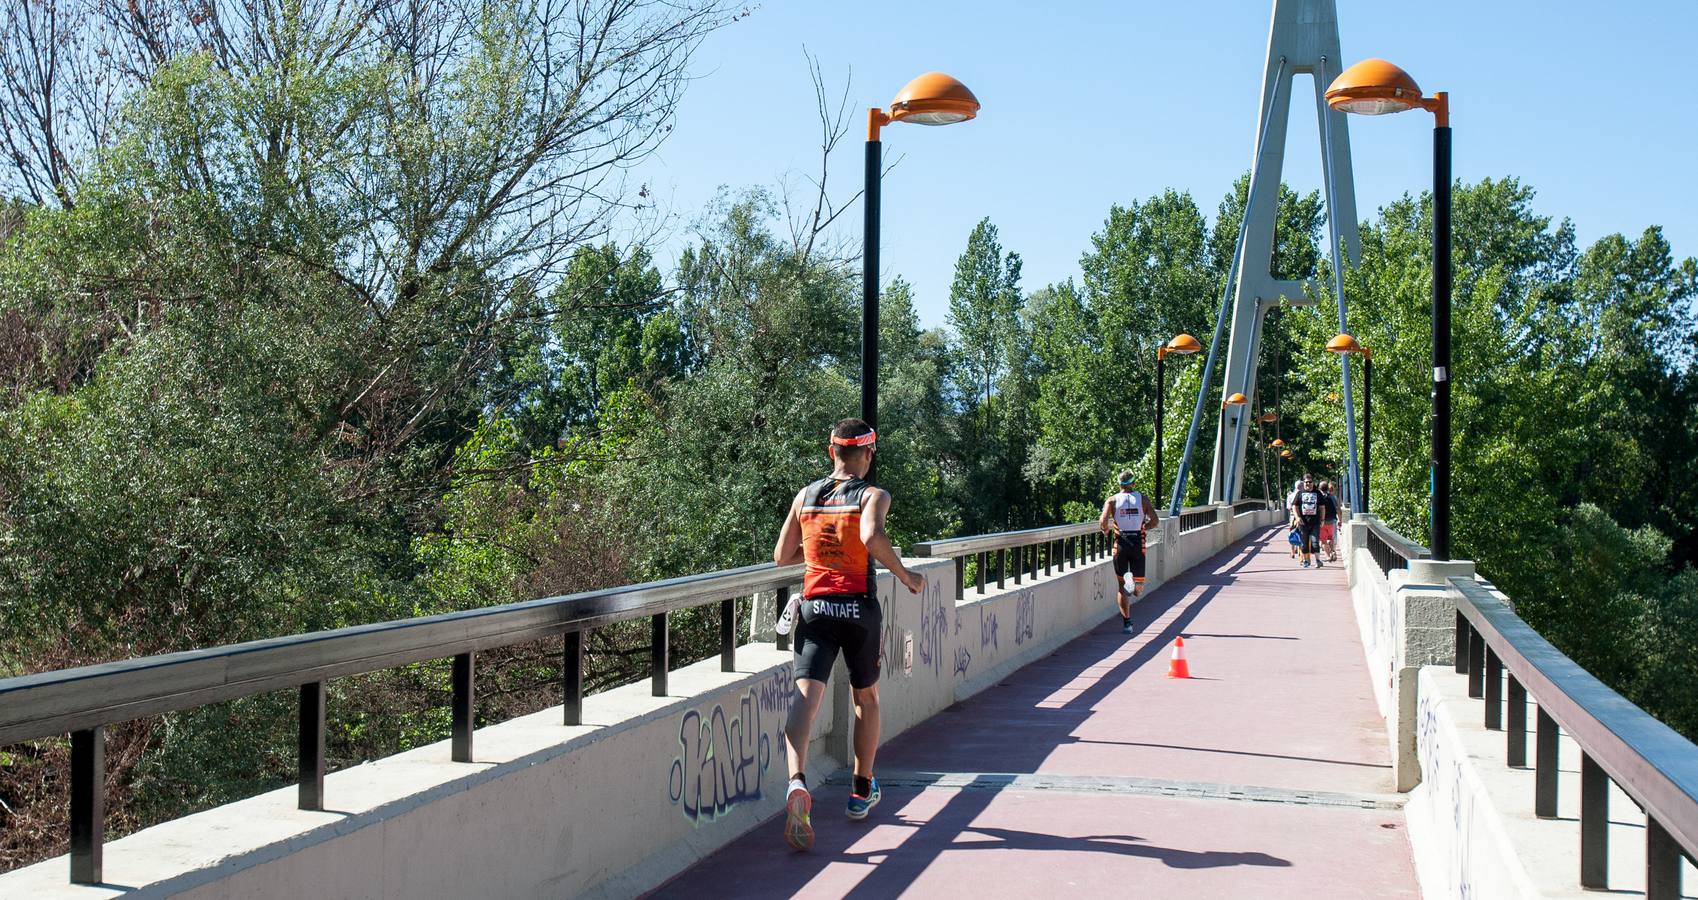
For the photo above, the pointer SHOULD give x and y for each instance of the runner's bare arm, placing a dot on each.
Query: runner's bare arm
(1150, 517)
(1106, 520)
(875, 503)
(788, 550)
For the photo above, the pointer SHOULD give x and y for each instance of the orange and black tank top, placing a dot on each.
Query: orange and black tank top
(836, 560)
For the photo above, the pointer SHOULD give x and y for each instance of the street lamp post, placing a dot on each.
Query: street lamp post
(931, 99)
(1344, 343)
(1279, 463)
(1266, 418)
(1236, 399)
(1184, 345)
(1375, 87)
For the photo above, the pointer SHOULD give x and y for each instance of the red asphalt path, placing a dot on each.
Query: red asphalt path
(1279, 701)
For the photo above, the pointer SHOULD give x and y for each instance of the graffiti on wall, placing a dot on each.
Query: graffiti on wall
(963, 660)
(724, 752)
(1449, 780)
(934, 627)
(987, 629)
(895, 646)
(1025, 615)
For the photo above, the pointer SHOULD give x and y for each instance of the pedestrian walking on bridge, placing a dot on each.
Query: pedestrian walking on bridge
(836, 527)
(1128, 514)
(1307, 508)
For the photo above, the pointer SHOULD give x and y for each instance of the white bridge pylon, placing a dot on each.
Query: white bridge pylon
(1303, 40)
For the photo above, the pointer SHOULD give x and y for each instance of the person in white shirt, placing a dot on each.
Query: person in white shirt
(1128, 514)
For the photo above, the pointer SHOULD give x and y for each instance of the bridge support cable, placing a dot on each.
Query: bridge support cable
(1326, 113)
(1180, 477)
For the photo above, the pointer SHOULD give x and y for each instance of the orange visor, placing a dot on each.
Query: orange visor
(864, 440)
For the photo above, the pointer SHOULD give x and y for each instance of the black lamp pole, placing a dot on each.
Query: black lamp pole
(1441, 335)
(869, 297)
(1161, 396)
(1367, 424)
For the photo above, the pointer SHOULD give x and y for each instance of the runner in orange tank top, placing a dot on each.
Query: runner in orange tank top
(836, 527)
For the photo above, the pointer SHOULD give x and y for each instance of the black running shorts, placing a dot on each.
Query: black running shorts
(1129, 555)
(831, 623)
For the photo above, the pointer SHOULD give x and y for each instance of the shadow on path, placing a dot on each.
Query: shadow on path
(1013, 728)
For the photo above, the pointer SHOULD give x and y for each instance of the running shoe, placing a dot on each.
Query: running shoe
(787, 621)
(1126, 626)
(798, 830)
(859, 806)
(1305, 564)
(1318, 562)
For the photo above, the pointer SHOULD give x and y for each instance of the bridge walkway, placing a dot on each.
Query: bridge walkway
(1265, 775)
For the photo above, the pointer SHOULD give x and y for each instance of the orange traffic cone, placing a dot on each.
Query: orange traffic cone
(1177, 667)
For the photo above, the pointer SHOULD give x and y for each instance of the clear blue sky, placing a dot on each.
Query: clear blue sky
(1092, 103)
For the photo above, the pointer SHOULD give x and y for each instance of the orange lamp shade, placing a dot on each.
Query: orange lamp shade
(1374, 87)
(1344, 343)
(1183, 343)
(934, 99)
(1277, 442)
(1268, 418)
(1235, 400)
(1285, 454)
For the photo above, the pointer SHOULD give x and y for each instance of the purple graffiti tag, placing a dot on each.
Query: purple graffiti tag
(963, 659)
(1025, 615)
(934, 625)
(722, 758)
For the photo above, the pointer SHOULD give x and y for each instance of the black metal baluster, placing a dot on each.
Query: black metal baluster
(660, 653)
(1476, 664)
(1019, 562)
(462, 707)
(984, 572)
(960, 577)
(310, 791)
(1001, 566)
(1662, 862)
(1594, 824)
(1032, 551)
(1461, 661)
(1545, 767)
(1517, 723)
(573, 652)
(728, 635)
(1494, 690)
(88, 804)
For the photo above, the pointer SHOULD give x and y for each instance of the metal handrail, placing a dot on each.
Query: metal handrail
(1647, 759)
(53, 703)
(1248, 506)
(981, 543)
(1196, 517)
(1399, 544)
(1017, 553)
(82, 701)
(1391, 550)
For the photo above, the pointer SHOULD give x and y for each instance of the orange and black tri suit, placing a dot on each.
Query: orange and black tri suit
(840, 609)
